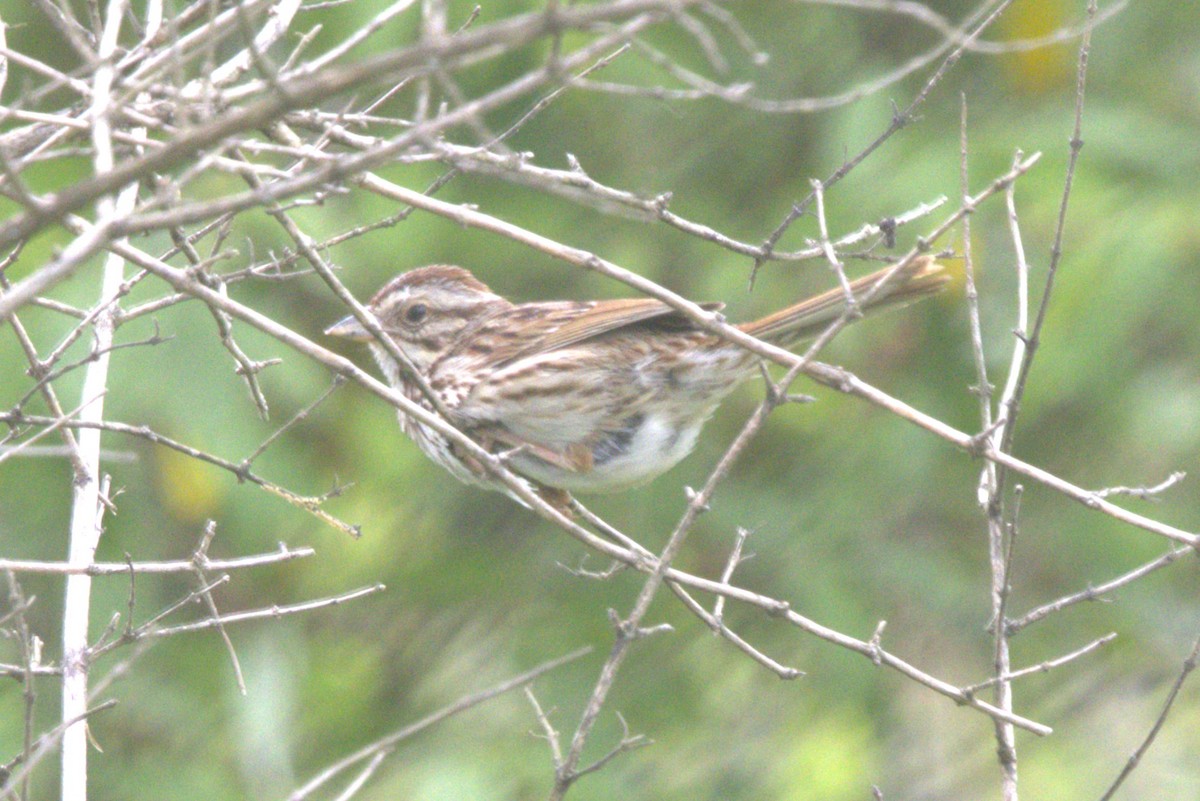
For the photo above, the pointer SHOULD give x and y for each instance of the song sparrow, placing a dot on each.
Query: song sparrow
(589, 396)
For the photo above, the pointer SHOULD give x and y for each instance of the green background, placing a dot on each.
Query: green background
(856, 516)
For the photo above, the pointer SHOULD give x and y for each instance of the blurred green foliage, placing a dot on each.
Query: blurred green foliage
(856, 516)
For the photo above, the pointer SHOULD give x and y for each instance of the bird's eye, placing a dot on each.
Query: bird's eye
(416, 313)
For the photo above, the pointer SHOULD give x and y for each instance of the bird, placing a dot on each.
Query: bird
(580, 396)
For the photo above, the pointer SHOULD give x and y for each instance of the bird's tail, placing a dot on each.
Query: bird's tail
(920, 278)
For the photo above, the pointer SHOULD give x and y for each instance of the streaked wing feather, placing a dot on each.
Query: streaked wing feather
(586, 321)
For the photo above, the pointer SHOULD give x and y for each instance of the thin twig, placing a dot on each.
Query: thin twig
(47, 742)
(310, 504)
(1135, 758)
(1043, 667)
(284, 554)
(388, 742)
(735, 558)
(280, 610)
(199, 560)
(1145, 493)
(30, 651)
(1099, 591)
(900, 119)
(1033, 337)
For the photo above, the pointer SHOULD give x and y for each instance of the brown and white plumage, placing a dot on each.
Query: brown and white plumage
(593, 395)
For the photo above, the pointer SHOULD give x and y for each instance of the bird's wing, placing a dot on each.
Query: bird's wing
(520, 332)
(553, 326)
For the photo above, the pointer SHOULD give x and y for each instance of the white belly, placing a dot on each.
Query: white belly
(656, 445)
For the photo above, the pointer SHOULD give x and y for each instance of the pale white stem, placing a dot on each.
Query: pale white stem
(1021, 333)
(87, 509)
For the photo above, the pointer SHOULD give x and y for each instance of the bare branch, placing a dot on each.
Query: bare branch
(1099, 591)
(387, 743)
(1145, 493)
(1033, 337)
(1135, 758)
(284, 554)
(1043, 667)
(310, 504)
(258, 614)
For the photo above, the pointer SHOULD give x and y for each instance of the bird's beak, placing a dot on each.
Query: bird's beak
(349, 328)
